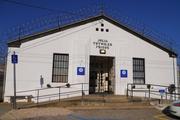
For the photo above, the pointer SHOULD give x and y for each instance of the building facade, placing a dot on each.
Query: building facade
(98, 51)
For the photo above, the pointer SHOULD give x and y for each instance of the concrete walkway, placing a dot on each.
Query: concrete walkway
(92, 108)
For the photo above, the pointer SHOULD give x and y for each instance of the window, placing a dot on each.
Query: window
(60, 68)
(138, 70)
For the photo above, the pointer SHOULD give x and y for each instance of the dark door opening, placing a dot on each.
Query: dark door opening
(102, 74)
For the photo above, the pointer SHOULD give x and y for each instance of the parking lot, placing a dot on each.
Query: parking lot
(116, 108)
(53, 113)
(128, 114)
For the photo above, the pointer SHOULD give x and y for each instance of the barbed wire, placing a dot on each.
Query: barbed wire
(54, 21)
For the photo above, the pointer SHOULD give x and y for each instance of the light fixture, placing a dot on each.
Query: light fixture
(102, 51)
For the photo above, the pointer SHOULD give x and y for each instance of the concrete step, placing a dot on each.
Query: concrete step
(112, 101)
(95, 101)
(100, 98)
(95, 105)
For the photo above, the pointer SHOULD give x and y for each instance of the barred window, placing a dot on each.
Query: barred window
(138, 70)
(60, 68)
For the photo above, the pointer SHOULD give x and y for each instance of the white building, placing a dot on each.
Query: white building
(98, 51)
(1, 81)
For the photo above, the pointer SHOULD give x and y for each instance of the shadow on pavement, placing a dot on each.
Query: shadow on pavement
(79, 117)
(4, 108)
(166, 111)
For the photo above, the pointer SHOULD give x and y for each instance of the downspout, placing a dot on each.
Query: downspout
(4, 79)
(175, 77)
(174, 72)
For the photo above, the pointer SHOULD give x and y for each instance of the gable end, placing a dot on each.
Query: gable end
(17, 43)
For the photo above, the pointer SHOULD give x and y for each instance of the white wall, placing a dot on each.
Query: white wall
(36, 57)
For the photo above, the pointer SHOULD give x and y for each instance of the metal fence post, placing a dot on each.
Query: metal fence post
(37, 96)
(82, 92)
(127, 95)
(149, 94)
(59, 93)
(131, 93)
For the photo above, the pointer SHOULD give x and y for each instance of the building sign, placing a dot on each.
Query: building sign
(14, 59)
(102, 44)
(124, 73)
(80, 70)
(162, 91)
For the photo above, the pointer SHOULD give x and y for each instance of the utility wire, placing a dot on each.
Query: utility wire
(41, 7)
(38, 7)
(54, 38)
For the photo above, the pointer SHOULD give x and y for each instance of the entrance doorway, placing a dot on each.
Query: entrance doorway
(102, 74)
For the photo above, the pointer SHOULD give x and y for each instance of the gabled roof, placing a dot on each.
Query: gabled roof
(17, 43)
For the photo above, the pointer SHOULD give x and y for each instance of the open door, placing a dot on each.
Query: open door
(102, 74)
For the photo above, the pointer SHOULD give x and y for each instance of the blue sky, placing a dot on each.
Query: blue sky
(162, 15)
